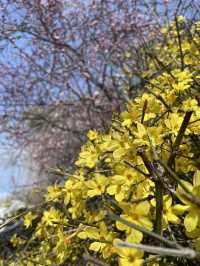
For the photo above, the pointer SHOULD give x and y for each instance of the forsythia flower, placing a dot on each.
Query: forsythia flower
(88, 156)
(138, 214)
(192, 218)
(68, 191)
(53, 193)
(52, 217)
(169, 215)
(129, 257)
(92, 135)
(28, 218)
(103, 235)
(97, 185)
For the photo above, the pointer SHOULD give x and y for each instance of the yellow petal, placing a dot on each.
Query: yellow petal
(142, 208)
(144, 221)
(167, 201)
(172, 218)
(118, 179)
(93, 192)
(191, 221)
(196, 178)
(97, 246)
(135, 236)
(141, 130)
(111, 190)
(181, 193)
(89, 233)
(101, 179)
(180, 209)
(120, 196)
(119, 153)
(91, 184)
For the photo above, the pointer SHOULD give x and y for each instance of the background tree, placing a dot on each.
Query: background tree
(66, 66)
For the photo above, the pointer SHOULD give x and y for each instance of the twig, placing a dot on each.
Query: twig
(153, 121)
(143, 230)
(136, 168)
(184, 252)
(144, 111)
(179, 44)
(146, 161)
(175, 177)
(179, 137)
(158, 189)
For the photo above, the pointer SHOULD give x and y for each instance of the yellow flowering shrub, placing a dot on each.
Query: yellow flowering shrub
(134, 198)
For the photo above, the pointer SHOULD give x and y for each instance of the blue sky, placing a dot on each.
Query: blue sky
(7, 170)
(13, 170)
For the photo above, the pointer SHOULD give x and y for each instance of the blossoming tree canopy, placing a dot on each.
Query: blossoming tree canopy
(135, 196)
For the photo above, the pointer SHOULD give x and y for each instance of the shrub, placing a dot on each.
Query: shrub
(135, 196)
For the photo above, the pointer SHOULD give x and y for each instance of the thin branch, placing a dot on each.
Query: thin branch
(184, 252)
(179, 137)
(175, 177)
(143, 230)
(136, 168)
(179, 43)
(159, 172)
(144, 111)
(160, 98)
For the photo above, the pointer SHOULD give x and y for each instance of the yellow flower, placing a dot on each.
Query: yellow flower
(140, 135)
(173, 123)
(28, 218)
(118, 190)
(115, 143)
(129, 257)
(183, 80)
(96, 186)
(68, 191)
(88, 156)
(138, 214)
(52, 217)
(92, 135)
(120, 184)
(102, 234)
(169, 215)
(129, 116)
(53, 193)
(181, 19)
(192, 218)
